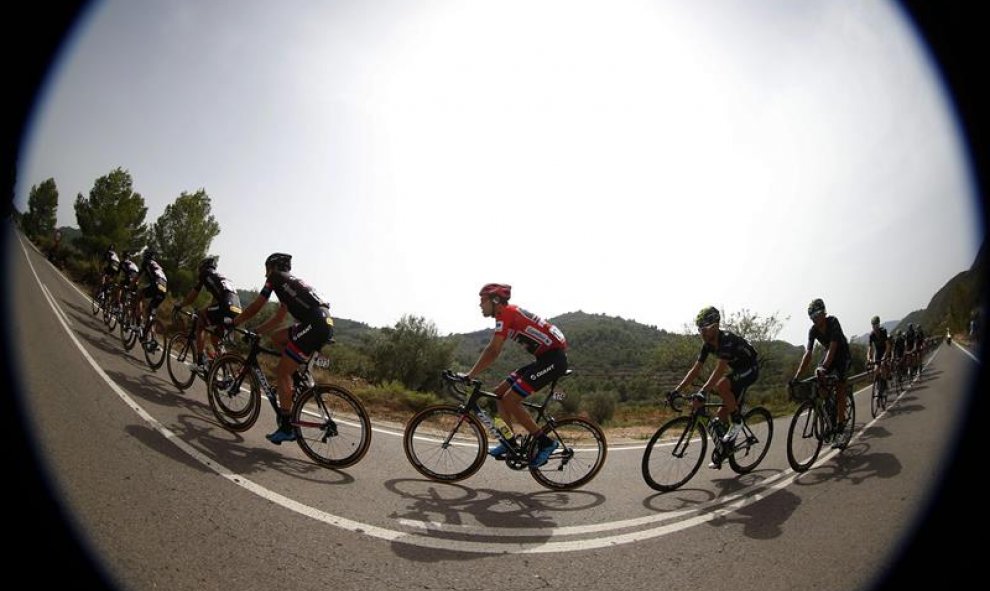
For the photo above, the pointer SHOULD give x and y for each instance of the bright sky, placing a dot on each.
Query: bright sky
(639, 159)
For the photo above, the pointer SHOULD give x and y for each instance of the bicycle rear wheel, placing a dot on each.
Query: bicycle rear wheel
(445, 443)
(804, 437)
(674, 454)
(154, 344)
(753, 442)
(850, 419)
(180, 358)
(580, 454)
(332, 426)
(97, 300)
(233, 392)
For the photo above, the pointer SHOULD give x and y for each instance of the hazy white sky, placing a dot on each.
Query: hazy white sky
(639, 159)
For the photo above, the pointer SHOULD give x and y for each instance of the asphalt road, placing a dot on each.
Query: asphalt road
(158, 496)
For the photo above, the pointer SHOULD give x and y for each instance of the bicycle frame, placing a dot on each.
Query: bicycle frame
(517, 452)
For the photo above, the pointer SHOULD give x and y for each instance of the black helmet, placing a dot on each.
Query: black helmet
(111, 247)
(150, 255)
(875, 320)
(816, 307)
(208, 263)
(279, 260)
(707, 316)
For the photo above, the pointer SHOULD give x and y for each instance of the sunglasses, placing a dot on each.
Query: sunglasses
(816, 315)
(707, 326)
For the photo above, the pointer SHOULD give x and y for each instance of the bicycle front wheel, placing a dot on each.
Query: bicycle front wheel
(110, 317)
(332, 426)
(876, 399)
(804, 437)
(445, 443)
(180, 358)
(97, 300)
(753, 442)
(674, 454)
(234, 392)
(580, 454)
(154, 344)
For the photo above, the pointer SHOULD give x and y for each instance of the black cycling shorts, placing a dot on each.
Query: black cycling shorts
(739, 381)
(307, 337)
(154, 293)
(530, 378)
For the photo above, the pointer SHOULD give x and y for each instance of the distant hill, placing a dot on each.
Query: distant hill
(952, 306)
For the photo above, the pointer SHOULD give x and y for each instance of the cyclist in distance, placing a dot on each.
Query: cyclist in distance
(128, 273)
(111, 266)
(919, 348)
(878, 349)
(312, 330)
(898, 348)
(154, 290)
(910, 346)
(538, 337)
(221, 311)
(737, 368)
(826, 330)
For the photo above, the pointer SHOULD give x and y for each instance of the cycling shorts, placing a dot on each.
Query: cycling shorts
(841, 367)
(739, 381)
(547, 368)
(221, 314)
(307, 337)
(154, 293)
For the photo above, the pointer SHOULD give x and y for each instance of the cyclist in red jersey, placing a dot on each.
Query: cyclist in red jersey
(540, 338)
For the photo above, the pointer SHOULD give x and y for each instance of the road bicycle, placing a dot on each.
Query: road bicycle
(449, 442)
(878, 391)
(815, 421)
(678, 448)
(331, 425)
(180, 351)
(101, 298)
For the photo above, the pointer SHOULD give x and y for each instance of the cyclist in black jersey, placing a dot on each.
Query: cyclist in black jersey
(111, 266)
(897, 349)
(154, 290)
(919, 348)
(879, 350)
(221, 311)
(910, 347)
(828, 332)
(313, 329)
(737, 368)
(128, 272)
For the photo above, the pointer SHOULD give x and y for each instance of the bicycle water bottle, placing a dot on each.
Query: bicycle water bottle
(487, 420)
(503, 428)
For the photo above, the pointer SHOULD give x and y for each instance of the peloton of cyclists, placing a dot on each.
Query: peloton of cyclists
(827, 331)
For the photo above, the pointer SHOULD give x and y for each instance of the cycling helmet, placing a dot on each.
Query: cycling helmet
(150, 255)
(707, 316)
(208, 263)
(111, 247)
(816, 307)
(499, 291)
(279, 260)
(875, 320)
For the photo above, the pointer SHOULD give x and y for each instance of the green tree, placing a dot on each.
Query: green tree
(760, 331)
(182, 236)
(112, 214)
(412, 353)
(38, 222)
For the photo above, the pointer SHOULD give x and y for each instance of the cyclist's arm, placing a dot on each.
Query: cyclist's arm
(189, 297)
(804, 363)
(488, 356)
(691, 374)
(830, 355)
(251, 310)
(274, 321)
(717, 373)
